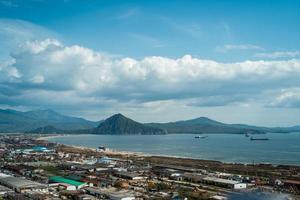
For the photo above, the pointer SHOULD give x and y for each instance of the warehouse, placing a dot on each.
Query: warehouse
(224, 183)
(59, 179)
(110, 193)
(21, 184)
(4, 190)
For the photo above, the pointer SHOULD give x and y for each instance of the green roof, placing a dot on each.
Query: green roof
(59, 179)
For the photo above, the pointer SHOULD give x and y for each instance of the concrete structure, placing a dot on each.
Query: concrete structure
(224, 183)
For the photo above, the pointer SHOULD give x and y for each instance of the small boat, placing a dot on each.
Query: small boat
(201, 136)
(252, 138)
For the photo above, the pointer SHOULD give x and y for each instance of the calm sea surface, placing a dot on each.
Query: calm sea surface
(280, 149)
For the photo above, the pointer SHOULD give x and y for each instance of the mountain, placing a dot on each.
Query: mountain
(269, 129)
(48, 121)
(206, 125)
(118, 124)
(202, 121)
(17, 121)
(46, 129)
(203, 125)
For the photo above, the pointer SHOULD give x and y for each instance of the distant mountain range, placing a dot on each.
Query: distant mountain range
(48, 130)
(201, 125)
(48, 121)
(16, 121)
(206, 125)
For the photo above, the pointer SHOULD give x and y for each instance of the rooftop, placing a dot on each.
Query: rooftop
(16, 182)
(111, 192)
(221, 180)
(59, 179)
(4, 189)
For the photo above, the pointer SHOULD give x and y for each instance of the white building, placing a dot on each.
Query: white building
(224, 183)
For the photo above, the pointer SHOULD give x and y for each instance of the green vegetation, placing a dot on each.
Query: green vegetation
(47, 121)
(16, 121)
(202, 125)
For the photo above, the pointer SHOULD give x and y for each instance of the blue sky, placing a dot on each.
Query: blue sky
(150, 58)
(167, 28)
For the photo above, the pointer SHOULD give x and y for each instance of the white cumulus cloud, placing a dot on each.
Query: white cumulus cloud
(92, 74)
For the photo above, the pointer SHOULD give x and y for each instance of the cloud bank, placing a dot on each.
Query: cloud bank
(47, 73)
(48, 65)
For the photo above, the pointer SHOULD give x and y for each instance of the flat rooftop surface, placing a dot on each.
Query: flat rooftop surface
(59, 179)
(220, 180)
(19, 182)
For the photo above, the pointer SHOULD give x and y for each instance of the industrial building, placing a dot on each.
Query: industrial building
(21, 185)
(224, 183)
(129, 175)
(111, 193)
(4, 190)
(59, 179)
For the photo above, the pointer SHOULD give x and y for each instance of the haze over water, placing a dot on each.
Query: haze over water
(280, 149)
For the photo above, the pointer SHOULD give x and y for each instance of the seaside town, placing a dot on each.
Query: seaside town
(33, 168)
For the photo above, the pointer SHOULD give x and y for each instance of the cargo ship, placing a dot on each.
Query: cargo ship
(253, 138)
(201, 137)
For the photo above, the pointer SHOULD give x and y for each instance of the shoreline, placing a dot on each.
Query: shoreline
(142, 154)
(256, 170)
(110, 151)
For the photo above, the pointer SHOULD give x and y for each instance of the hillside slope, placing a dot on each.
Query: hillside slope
(17, 121)
(118, 124)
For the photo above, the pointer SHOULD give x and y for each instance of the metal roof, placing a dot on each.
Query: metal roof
(4, 189)
(16, 182)
(59, 179)
(221, 180)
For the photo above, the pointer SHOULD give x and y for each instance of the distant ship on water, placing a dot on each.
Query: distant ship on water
(201, 136)
(253, 138)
